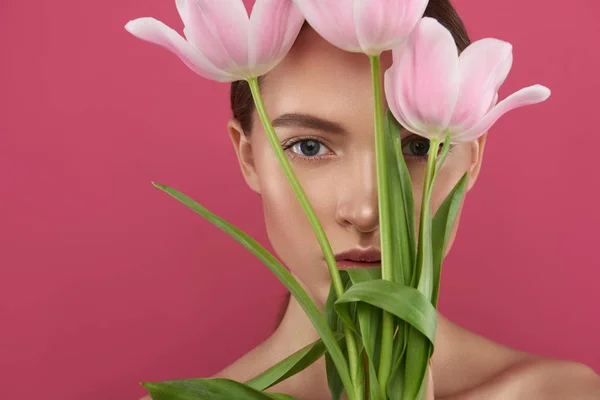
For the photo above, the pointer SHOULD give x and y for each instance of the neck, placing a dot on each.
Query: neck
(295, 329)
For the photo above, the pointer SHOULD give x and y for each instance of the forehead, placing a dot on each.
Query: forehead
(318, 78)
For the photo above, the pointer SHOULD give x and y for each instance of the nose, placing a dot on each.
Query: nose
(357, 206)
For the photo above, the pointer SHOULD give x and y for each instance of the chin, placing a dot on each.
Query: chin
(322, 292)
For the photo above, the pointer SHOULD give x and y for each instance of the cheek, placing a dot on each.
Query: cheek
(287, 226)
(282, 211)
(453, 169)
(457, 163)
(454, 230)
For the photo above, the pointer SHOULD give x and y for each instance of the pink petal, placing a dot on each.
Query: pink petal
(426, 72)
(389, 83)
(219, 30)
(333, 20)
(156, 32)
(524, 97)
(274, 26)
(483, 66)
(382, 25)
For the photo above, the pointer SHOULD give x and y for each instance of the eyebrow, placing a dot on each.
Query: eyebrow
(308, 121)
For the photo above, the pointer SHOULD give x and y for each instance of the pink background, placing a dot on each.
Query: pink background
(106, 281)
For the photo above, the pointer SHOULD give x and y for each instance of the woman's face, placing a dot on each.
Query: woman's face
(320, 99)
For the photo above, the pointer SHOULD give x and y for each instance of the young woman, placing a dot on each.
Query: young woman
(319, 99)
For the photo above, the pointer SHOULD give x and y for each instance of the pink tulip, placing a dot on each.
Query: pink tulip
(221, 42)
(431, 90)
(363, 26)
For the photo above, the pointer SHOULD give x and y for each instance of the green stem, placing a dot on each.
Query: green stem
(434, 145)
(319, 232)
(382, 184)
(387, 328)
(440, 161)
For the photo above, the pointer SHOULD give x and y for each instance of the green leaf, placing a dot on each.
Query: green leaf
(401, 202)
(418, 353)
(336, 388)
(396, 381)
(374, 390)
(442, 228)
(358, 275)
(284, 276)
(405, 302)
(360, 381)
(290, 366)
(369, 322)
(207, 389)
(403, 231)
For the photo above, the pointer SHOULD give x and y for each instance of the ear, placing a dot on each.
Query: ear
(243, 150)
(477, 147)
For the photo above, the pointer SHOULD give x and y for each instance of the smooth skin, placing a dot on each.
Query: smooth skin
(333, 87)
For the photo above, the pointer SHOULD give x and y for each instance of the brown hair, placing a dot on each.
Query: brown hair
(242, 104)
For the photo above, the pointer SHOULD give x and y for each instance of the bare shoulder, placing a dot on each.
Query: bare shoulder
(248, 366)
(268, 354)
(463, 359)
(471, 366)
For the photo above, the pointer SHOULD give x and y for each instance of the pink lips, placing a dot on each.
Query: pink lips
(359, 258)
(345, 264)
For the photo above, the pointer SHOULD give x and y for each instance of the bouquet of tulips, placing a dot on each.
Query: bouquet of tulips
(378, 330)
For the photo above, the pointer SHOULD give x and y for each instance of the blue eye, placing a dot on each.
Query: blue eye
(307, 148)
